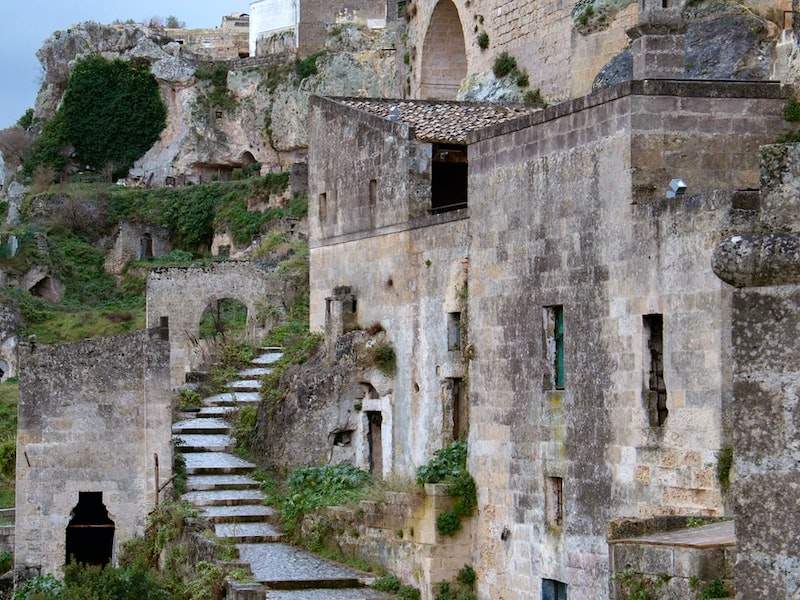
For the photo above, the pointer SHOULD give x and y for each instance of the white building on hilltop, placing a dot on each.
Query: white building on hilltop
(270, 17)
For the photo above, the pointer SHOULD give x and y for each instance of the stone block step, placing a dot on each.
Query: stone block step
(216, 412)
(233, 399)
(285, 567)
(266, 359)
(342, 594)
(248, 513)
(244, 385)
(216, 463)
(255, 372)
(224, 497)
(202, 427)
(248, 533)
(204, 443)
(205, 483)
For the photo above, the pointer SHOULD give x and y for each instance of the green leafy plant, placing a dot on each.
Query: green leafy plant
(449, 466)
(724, 466)
(244, 428)
(636, 586)
(27, 120)
(523, 80)
(791, 111)
(308, 66)
(533, 98)
(504, 65)
(382, 356)
(715, 589)
(483, 40)
(188, 400)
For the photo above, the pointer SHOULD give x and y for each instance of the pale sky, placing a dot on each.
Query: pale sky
(25, 24)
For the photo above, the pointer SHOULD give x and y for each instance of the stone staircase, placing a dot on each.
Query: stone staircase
(220, 488)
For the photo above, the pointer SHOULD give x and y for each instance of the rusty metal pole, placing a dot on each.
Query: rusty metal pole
(155, 457)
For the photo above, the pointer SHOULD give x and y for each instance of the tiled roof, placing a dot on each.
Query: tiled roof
(439, 121)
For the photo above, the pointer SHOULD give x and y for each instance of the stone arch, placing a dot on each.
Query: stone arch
(90, 533)
(224, 317)
(247, 158)
(444, 54)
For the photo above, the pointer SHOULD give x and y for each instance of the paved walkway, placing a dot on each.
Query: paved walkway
(220, 487)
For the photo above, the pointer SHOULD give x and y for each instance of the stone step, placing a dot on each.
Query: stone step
(216, 463)
(201, 427)
(204, 443)
(266, 359)
(248, 533)
(247, 513)
(224, 497)
(215, 412)
(244, 385)
(233, 399)
(255, 373)
(205, 483)
(285, 567)
(341, 594)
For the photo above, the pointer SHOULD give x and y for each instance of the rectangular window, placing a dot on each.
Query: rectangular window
(454, 332)
(553, 590)
(554, 347)
(373, 193)
(323, 208)
(554, 501)
(449, 178)
(655, 388)
(460, 407)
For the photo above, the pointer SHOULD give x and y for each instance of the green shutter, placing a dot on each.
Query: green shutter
(559, 331)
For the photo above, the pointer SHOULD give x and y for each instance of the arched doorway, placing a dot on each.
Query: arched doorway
(90, 533)
(444, 54)
(223, 318)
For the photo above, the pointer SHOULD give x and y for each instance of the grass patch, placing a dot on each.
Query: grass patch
(382, 356)
(9, 396)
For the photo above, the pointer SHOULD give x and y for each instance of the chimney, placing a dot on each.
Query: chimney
(658, 41)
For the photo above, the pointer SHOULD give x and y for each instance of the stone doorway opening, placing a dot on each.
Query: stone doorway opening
(90, 533)
(375, 442)
(223, 318)
(444, 54)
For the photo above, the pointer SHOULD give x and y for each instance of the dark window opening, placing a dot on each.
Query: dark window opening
(224, 251)
(243, 54)
(90, 533)
(219, 114)
(373, 194)
(449, 185)
(375, 442)
(343, 438)
(454, 332)
(460, 408)
(146, 250)
(655, 386)
(554, 501)
(554, 347)
(323, 208)
(163, 328)
(553, 590)
(328, 304)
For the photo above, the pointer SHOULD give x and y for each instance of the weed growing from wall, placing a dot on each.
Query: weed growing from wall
(724, 467)
(449, 466)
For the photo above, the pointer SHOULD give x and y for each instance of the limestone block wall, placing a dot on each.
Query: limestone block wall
(182, 294)
(129, 245)
(91, 416)
(557, 218)
(315, 15)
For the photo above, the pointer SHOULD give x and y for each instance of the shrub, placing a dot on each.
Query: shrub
(244, 428)
(449, 465)
(27, 120)
(188, 400)
(724, 466)
(533, 98)
(483, 40)
(522, 79)
(98, 117)
(48, 152)
(504, 65)
(792, 111)
(382, 357)
(15, 143)
(43, 587)
(466, 576)
(387, 583)
(715, 589)
(308, 66)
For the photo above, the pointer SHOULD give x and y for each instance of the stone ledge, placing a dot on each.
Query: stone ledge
(752, 260)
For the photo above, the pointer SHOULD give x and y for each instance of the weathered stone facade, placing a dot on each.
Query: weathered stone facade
(135, 241)
(228, 42)
(568, 209)
(182, 294)
(10, 324)
(315, 16)
(762, 262)
(92, 415)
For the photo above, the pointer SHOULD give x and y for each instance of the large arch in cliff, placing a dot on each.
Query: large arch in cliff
(444, 54)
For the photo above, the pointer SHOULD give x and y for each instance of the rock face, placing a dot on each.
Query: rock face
(722, 42)
(264, 116)
(485, 87)
(10, 322)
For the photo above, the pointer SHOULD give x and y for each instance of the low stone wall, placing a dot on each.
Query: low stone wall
(397, 532)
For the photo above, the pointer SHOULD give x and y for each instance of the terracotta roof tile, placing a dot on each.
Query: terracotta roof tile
(439, 121)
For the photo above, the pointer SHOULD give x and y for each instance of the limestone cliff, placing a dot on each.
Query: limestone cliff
(263, 116)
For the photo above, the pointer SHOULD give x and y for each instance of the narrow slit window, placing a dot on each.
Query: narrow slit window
(555, 373)
(449, 178)
(460, 408)
(454, 332)
(554, 501)
(655, 387)
(373, 193)
(323, 208)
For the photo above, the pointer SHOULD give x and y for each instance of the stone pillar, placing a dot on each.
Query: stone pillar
(658, 41)
(341, 315)
(764, 267)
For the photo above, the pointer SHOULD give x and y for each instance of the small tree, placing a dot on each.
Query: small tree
(174, 23)
(14, 145)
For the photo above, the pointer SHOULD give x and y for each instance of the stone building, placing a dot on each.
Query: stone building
(182, 295)
(136, 241)
(546, 39)
(228, 42)
(310, 21)
(545, 279)
(93, 416)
